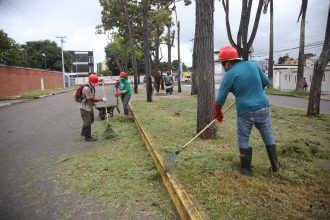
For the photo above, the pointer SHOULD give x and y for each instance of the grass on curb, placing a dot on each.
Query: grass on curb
(37, 93)
(301, 190)
(121, 173)
(296, 93)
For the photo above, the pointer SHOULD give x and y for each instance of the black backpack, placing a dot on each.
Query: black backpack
(78, 94)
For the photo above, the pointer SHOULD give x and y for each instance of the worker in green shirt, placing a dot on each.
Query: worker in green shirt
(124, 92)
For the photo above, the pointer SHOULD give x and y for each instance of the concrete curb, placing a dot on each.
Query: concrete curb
(183, 201)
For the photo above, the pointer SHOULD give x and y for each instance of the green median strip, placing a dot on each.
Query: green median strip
(208, 167)
(119, 172)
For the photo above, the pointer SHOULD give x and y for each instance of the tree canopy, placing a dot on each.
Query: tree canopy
(34, 54)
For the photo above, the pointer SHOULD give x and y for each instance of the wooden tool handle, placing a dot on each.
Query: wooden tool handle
(206, 127)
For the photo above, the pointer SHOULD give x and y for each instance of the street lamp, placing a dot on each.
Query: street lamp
(45, 59)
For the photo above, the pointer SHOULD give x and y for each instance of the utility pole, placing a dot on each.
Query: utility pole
(62, 41)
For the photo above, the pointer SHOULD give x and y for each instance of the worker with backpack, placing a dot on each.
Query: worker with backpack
(85, 94)
(169, 83)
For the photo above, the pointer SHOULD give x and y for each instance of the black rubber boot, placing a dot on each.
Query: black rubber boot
(271, 151)
(88, 136)
(125, 111)
(246, 160)
(83, 131)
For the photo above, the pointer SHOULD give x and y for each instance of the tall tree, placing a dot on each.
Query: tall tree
(146, 50)
(119, 49)
(10, 53)
(204, 68)
(120, 15)
(34, 50)
(318, 73)
(301, 60)
(243, 44)
(271, 39)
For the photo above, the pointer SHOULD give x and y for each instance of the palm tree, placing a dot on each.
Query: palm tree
(301, 59)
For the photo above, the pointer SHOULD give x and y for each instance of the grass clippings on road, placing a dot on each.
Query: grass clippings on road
(301, 190)
(120, 173)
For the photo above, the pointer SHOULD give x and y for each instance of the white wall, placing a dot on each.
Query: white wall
(286, 80)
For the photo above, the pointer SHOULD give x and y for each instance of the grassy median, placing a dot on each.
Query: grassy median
(301, 190)
(119, 172)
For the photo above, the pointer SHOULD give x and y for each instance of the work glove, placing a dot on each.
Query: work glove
(119, 94)
(116, 84)
(217, 112)
(104, 99)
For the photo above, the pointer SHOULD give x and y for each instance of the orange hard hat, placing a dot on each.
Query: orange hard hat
(93, 79)
(123, 74)
(228, 53)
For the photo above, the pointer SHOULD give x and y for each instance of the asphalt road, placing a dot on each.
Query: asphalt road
(286, 101)
(33, 134)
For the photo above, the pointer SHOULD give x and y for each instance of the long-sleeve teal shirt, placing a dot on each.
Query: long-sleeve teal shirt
(246, 81)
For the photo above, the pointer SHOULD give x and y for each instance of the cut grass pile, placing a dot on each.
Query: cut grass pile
(301, 190)
(37, 93)
(121, 173)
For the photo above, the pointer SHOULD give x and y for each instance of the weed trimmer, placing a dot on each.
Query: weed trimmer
(171, 157)
(108, 132)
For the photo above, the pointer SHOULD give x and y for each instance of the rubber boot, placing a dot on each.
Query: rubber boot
(88, 136)
(83, 131)
(246, 160)
(271, 151)
(125, 111)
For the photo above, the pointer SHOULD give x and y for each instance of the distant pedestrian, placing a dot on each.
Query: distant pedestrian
(124, 91)
(157, 80)
(246, 81)
(169, 83)
(86, 106)
(305, 84)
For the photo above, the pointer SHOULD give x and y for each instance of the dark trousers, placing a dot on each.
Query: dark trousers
(125, 99)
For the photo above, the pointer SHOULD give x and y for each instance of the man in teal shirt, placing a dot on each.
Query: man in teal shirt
(124, 91)
(246, 81)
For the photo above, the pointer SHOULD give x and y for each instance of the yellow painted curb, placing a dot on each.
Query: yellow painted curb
(182, 200)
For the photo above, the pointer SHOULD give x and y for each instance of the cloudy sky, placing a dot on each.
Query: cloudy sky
(29, 20)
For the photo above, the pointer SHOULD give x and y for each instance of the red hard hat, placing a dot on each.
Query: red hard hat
(228, 53)
(123, 74)
(93, 79)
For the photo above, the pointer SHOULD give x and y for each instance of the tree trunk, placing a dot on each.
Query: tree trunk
(146, 49)
(132, 45)
(194, 76)
(318, 73)
(179, 69)
(301, 59)
(203, 43)
(271, 46)
(169, 46)
(243, 45)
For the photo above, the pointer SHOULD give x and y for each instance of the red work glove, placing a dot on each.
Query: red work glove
(119, 94)
(217, 112)
(116, 84)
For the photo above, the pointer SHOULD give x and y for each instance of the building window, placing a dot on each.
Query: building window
(289, 77)
(285, 76)
(295, 79)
